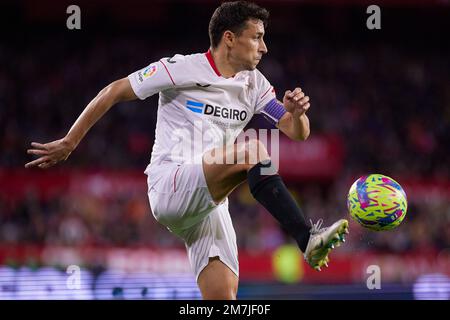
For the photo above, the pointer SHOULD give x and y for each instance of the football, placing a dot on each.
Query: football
(377, 202)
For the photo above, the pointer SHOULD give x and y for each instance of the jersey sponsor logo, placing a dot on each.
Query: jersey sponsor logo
(149, 71)
(194, 106)
(216, 111)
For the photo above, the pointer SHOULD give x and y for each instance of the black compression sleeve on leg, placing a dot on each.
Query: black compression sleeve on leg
(271, 192)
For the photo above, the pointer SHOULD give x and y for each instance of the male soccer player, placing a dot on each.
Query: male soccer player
(205, 95)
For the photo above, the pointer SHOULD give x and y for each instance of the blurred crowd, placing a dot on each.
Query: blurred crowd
(389, 103)
(84, 219)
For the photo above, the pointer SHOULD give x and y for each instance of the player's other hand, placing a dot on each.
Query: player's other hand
(296, 102)
(49, 154)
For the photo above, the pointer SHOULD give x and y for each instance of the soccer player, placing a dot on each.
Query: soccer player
(205, 95)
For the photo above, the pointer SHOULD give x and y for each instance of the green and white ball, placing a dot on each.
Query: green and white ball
(377, 202)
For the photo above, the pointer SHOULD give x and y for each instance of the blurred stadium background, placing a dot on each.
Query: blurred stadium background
(380, 104)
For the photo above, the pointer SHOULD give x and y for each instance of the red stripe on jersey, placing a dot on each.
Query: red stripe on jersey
(266, 92)
(175, 180)
(167, 72)
(211, 62)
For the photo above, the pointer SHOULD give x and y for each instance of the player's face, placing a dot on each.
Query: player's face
(250, 45)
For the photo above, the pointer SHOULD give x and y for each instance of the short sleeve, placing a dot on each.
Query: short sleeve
(265, 92)
(162, 75)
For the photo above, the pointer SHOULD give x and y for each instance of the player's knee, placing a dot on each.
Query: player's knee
(255, 152)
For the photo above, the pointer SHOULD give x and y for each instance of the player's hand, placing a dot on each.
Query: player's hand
(296, 102)
(49, 153)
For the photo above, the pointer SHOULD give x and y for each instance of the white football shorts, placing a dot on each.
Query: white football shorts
(180, 200)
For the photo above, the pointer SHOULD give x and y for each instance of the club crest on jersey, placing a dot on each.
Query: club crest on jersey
(216, 111)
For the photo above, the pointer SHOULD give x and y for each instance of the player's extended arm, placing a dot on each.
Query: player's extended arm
(295, 122)
(59, 150)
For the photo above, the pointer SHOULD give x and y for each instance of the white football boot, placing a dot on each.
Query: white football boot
(322, 241)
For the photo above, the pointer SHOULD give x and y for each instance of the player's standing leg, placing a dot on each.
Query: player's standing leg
(217, 281)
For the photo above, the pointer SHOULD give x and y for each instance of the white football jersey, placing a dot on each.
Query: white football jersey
(198, 108)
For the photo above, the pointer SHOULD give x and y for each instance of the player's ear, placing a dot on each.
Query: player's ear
(229, 38)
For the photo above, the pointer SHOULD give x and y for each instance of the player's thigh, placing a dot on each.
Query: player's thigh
(225, 168)
(179, 197)
(217, 281)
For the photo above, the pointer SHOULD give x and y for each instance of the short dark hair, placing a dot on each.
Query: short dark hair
(233, 16)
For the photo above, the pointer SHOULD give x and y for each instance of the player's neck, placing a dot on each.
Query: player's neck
(223, 63)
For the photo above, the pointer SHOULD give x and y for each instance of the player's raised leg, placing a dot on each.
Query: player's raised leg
(245, 161)
(227, 168)
(249, 159)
